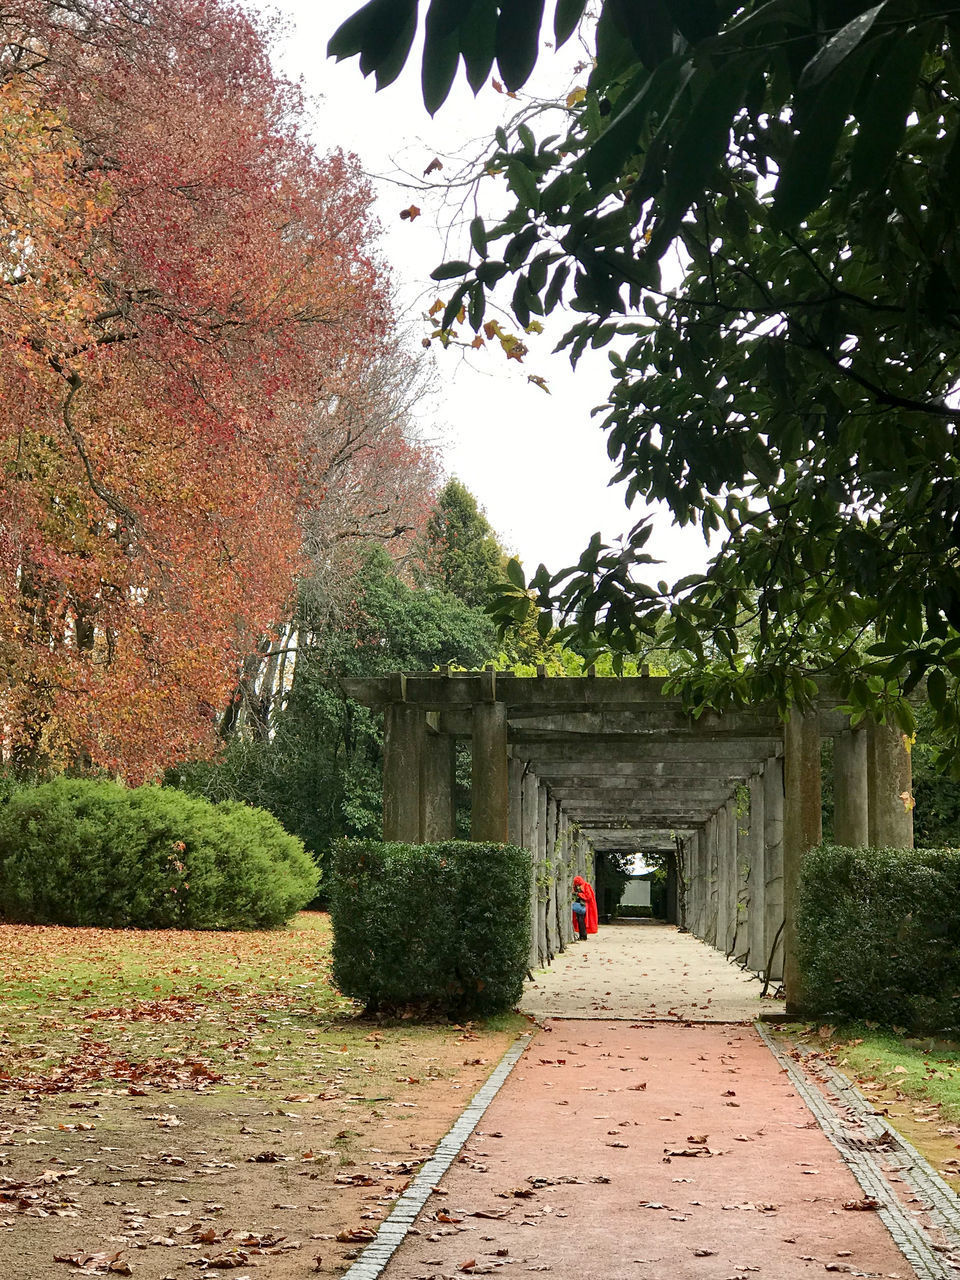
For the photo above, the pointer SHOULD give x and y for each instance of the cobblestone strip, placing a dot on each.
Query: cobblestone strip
(916, 1171)
(393, 1230)
(907, 1233)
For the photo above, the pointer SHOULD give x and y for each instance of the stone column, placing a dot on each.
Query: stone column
(565, 898)
(890, 788)
(489, 788)
(773, 866)
(438, 776)
(695, 884)
(402, 751)
(752, 853)
(514, 801)
(543, 860)
(732, 841)
(802, 830)
(723, 880)
(672, 895)
(712, 880)
(851, 825)
(553, 942)
(529, 809)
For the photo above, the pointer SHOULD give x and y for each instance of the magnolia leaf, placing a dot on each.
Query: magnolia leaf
(518, 32)
(839, 47)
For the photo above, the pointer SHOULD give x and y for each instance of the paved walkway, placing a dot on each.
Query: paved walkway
(660, 1145)
(645, 970)
(650, 1151)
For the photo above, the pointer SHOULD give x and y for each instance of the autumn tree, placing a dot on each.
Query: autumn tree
(794, 393)
(187, 293)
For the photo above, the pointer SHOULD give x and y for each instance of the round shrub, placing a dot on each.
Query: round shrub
(81, 852)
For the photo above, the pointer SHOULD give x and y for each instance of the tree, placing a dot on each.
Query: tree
(794, 393)
(318, 764)
(460, 552)
(185, 289)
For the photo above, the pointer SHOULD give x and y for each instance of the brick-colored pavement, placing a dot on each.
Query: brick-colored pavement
(649, 1150)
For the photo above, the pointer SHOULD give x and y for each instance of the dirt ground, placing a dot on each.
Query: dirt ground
(172, 1104)
(173, 1184)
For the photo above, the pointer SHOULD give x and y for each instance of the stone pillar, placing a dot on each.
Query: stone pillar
(752, 854)
(403, 730)
(438, 777)
(543, 864)
(723, 876)
(672, 893)
(566, 886)
(802, 830)
(514, 801)
(553, 942)
(489, 788)
(851, 810)
(712, 880)
(732, 840)
(773, 867)
(890, 788)
(695, 884)
(529, 809)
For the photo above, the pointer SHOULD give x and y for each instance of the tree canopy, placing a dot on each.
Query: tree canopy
(191, 306)
(793, 391)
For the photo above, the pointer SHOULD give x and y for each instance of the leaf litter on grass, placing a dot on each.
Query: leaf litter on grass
(146, 1077)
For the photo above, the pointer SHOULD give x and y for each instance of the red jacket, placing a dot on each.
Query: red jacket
(590, 901)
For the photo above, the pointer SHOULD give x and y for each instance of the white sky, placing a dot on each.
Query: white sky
(537, 463)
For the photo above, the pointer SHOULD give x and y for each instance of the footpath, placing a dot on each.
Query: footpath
(649, 1129)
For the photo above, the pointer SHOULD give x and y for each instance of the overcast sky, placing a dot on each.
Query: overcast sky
(536, 462)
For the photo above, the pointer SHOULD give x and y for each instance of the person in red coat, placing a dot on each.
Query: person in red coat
(588, 921)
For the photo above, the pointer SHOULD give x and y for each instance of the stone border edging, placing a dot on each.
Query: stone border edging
(917, 1171)
(396, 1226)
(904, 1230)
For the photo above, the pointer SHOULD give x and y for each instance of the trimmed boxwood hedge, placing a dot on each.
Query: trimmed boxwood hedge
(442, 927)
(878, 933)
(91, 852)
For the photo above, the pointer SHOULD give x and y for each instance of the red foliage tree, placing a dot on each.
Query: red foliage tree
(186, 287)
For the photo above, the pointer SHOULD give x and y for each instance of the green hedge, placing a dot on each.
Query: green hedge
(443, 927)
(630, 911)
(878, 933)
(81, 852)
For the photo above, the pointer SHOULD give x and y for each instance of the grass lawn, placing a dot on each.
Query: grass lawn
(169, 1097)
(913, 1080)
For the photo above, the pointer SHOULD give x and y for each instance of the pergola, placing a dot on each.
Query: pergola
(566, 766)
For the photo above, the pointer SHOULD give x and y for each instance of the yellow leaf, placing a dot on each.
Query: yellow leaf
(575, 96)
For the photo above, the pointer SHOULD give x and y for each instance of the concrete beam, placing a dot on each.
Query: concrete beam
(659, 719)
(648, 771)
(680, 794)
(437, 691)
(546, 749)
